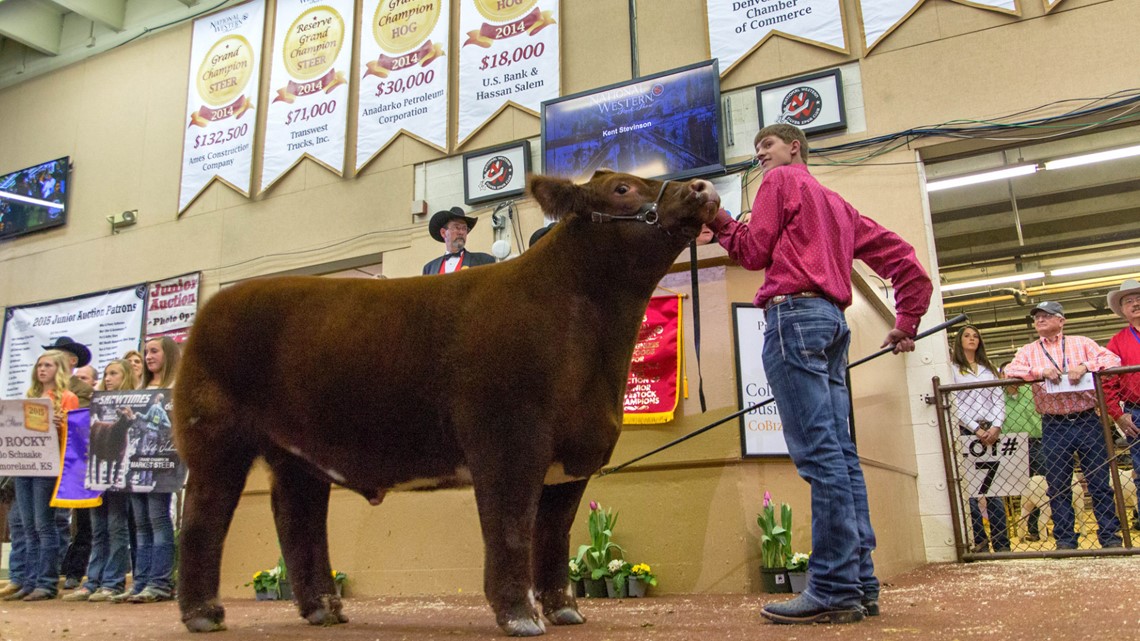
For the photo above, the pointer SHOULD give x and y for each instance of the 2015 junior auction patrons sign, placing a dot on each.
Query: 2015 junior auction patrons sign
(404, 74)
(308, 99)
(738, 27)
(225, 63)
(509, 55)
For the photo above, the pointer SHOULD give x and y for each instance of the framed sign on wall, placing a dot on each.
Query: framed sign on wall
(496, 173)
(814, 103)
(761, 431)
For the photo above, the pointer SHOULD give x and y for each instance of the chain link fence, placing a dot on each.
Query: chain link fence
(1026, 485)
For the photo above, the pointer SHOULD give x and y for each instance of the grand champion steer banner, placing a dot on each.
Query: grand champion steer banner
(737, 27)
(404, 74)
(509, 55)
(308, 86)
(225, 64)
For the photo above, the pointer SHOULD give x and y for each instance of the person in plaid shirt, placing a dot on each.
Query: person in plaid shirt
(1069, 422)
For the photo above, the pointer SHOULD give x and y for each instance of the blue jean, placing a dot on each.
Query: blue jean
(999, 527)
(41, 529)
(1062, 438)
(18, 555)
(154, 535)
(805, 358)
(110, 556)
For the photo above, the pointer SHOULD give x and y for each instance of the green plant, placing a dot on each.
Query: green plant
(575, 570)
(799, 562)
(339, 578)
(619, 571)
(597, 555)
(644, 572)
(270, 580)
(775, 538)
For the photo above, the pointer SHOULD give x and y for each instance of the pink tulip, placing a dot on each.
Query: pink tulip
(593, 505)
(767, 498)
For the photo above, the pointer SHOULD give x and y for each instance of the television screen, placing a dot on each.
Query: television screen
(667, 125)
(34, 198)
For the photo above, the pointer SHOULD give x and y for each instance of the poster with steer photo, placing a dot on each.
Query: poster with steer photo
(130, 447)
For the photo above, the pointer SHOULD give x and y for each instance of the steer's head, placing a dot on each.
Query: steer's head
(611, 198)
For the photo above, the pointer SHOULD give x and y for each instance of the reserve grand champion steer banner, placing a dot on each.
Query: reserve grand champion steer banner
(736, 27)
(651, 395)
(509, 54)
(880, 17)
(108, 323)
(308, 106)
(404, 74)
(225, 65)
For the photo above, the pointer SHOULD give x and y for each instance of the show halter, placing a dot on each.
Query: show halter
(647, 213)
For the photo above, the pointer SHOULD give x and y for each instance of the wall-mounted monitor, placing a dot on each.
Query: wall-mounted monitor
(667, 125)
(34, 198)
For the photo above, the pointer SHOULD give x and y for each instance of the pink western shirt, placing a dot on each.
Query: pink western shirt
(805, 237)
(1126, 387)
(1031, 360)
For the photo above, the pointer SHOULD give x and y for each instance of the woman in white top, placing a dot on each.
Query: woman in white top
(981, 413)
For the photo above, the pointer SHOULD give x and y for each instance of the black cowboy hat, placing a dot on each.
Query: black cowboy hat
(65, 344)
(538, 234)
(440, 219)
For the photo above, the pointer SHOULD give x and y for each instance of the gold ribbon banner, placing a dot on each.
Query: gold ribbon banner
(424, 56)
(530, 24)
(204, 116)
(326, 83)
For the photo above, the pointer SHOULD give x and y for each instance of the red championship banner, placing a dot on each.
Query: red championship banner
(651, 396)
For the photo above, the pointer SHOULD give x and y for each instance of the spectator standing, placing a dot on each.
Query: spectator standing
(450, 227)
(1021, 416)
(1123, 392)
(1069, 422)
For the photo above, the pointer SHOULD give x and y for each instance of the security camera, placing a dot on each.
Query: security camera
(129, 217)
(125, 219)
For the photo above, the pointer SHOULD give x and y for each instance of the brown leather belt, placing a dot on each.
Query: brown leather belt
(776, 300)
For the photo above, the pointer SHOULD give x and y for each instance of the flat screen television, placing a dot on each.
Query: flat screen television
(34, 198)
(665, 126)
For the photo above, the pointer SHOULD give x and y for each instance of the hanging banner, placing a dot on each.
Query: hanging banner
(651, 395)
(737, 28)
(761, 430)
(404, 75)
(108, 323)
(509, 56)
(1051, 4)
(171, 304)
(130, 448)
(881, 17)
(225, 63)
(30, 441)
(308, 107)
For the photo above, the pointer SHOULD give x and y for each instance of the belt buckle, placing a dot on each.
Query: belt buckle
(775, 300)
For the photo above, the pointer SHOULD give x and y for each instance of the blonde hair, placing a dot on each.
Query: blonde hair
(171, 353)
(784, 132)
(129, 380)
(62, 374)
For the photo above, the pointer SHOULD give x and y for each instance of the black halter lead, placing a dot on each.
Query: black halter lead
(647, 213)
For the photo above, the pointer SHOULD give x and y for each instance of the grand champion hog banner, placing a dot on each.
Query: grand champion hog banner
(308, 106)
(404, 74)
(509, 54)
(737, 27)
(880, 17)
(225, 63)
(651, 395)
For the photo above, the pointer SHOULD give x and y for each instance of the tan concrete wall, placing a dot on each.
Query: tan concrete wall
(691, 511)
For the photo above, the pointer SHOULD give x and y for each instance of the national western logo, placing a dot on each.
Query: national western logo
(497, 173)
(801, 106)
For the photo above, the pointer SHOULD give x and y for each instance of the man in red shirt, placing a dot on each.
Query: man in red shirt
(805, 237)
(1125, 389)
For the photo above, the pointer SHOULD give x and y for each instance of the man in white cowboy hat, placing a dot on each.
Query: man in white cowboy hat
(1123, 392)
(450, 227)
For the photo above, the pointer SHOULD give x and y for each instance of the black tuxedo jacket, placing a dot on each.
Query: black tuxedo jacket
(470, 259)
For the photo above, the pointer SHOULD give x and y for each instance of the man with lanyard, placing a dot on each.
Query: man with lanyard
(1069, 422)
(450, 227)
(805, 237)
(1125, 389)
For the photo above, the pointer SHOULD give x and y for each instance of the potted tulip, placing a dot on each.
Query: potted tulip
(595, 557)
(775, 545)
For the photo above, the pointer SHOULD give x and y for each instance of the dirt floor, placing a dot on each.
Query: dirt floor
(1038, 600)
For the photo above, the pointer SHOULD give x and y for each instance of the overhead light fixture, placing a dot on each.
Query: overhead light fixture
(1088, 159)
(984, 177)
(1098, 267)
(993, 281)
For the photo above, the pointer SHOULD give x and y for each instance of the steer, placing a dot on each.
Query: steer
(535, 353)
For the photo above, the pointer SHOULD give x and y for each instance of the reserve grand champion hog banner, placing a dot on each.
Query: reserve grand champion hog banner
(404, 74)
(652, 392)
(510, 53)
(308, 107)
(736, 27)
(880, 17)
(225, 63)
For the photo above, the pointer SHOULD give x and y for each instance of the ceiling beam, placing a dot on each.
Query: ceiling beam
(32, 25)
(109, 13)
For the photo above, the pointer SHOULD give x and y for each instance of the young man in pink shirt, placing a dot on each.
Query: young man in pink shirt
(805, 237)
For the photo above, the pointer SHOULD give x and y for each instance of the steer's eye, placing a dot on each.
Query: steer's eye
(621, 190)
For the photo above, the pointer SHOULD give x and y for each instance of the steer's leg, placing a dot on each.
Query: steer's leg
(301, 509)
(556, 510)
(507, 497)
(217, 472)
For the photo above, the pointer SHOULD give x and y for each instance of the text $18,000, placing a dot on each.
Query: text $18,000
(504, 58)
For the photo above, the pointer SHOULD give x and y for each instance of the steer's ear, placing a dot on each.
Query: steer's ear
(558, 197)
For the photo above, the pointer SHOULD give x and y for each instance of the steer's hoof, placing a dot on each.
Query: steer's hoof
(205, 618)
(566, 616)
(328, 613)
(524, 628)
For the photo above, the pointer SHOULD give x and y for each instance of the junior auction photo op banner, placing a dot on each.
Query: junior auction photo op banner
(171, 306)
(224, 80)
(509, 55)
(737, 27)
(404, 74)
(108, 323)
(308, 107)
